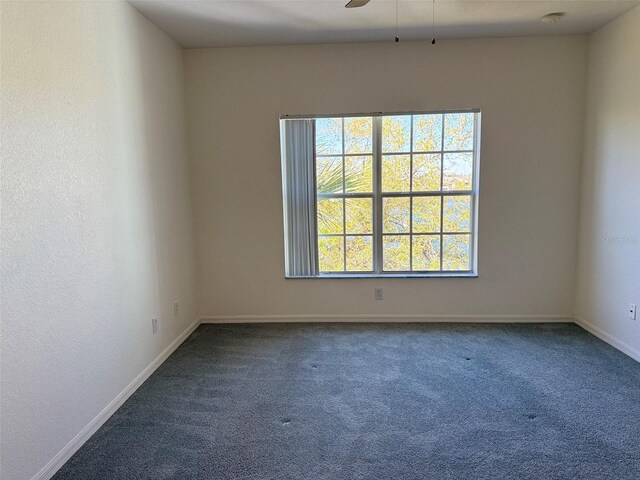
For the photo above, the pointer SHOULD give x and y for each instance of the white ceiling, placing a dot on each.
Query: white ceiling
(225, 23)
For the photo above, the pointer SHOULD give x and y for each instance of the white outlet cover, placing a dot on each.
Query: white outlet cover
(631, 313)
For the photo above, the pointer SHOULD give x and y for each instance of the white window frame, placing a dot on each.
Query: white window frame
(378, 195)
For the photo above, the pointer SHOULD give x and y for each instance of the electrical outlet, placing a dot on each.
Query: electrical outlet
(631, 312)
(154, 325)
(378, 294)
(175, 308)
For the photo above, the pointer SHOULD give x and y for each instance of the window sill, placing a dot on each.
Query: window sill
(389, 275)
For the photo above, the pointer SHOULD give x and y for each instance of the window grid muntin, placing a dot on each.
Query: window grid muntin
(344, 205)
(344, 195)
(410, 189)
(441, 193)
(378, 195)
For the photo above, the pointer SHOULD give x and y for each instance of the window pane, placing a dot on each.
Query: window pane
(395, 253)
(457, 171)
(455, 252)
(426, 252)
(358, 135)
(426, 182)
(426, 214)
(359, 215)
(427, 133)
(328, 136)
(426, 172)
(330, 254)
(396, 175)
(458, 131)
(358, 174)
(456, 215)
(359, 254)
(396, 133)
(330, 215)
(395, 215)
(329, 174)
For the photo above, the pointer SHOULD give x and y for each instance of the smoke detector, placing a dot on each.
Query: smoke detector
(552, 17)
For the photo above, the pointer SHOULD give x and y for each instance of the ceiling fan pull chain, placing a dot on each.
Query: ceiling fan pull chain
(397, 38)
(433, 22)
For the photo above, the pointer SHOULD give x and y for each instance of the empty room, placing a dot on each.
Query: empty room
(320, 240)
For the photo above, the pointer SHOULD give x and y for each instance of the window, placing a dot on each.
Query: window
(388, 195)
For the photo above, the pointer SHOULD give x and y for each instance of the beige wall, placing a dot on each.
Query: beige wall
(96, 199)
(96, 227)
(609, 258)
(531, 92)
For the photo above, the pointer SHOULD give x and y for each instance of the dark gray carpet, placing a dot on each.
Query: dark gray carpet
(371, 401)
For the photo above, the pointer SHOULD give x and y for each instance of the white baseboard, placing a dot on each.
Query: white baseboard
(387, 318)
(610, 339)
(63, 455)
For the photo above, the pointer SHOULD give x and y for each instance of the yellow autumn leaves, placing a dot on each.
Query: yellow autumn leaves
(420, 153)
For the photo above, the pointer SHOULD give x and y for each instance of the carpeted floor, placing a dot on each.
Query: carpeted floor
(371, 401)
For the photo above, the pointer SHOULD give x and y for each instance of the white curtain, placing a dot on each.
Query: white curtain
(298, 186)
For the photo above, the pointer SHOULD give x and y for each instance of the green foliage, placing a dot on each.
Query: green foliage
(329, 180)
(457, 214)
(359, 253)
(401, 172)
(427, 133)
(396, 173)
(426, 172)
(329, 175)
(396, 252)
(330, 254)
(426, 252)
(359, 215)
(426, 214)
(358, 173)
(358, 135)
(455, 253)
(395, 215)
(396, 133)
(330, 214)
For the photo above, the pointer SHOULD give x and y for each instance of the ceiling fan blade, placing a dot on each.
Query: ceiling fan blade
(356, 3)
